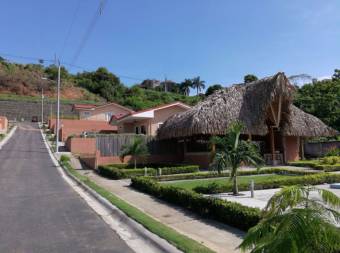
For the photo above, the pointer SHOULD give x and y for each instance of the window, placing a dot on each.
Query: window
(108, 116)
(142, 130)
(137, 130)
(86, 114)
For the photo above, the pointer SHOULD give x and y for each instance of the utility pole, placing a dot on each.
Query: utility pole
(42, 107)
(58, 109)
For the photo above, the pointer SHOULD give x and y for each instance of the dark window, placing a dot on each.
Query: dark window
(142, 130)
(137, 130)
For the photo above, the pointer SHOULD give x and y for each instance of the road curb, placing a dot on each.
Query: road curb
(8, 136)
(158, 243)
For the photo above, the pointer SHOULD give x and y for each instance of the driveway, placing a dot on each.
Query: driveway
(39, 212)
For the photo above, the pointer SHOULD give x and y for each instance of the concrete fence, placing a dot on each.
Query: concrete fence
(320, 148)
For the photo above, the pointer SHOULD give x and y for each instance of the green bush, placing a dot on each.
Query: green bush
(230, 213)
(333, 152)
(330, 160)
(116, 173)
(64, 159)
(314, 179)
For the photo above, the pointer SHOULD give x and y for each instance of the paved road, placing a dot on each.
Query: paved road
(39, 212)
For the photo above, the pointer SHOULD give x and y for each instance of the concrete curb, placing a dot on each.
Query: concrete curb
(8, 136)
(150, 239)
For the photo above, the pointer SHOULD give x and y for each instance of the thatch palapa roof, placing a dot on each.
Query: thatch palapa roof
(247, 103)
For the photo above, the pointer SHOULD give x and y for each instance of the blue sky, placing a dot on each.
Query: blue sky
(219, 40)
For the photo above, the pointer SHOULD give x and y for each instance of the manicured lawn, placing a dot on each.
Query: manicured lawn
(258, 179)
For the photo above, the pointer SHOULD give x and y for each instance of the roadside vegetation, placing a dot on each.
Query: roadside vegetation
(180, 241)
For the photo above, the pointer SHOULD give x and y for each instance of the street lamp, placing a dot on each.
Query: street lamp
(42, 102)
(58, 106)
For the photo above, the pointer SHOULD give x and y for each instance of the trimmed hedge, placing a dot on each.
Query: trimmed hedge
(317, 165)
(230, 213)
(314, 179)
(142, 166)
(202, 175)
(116, 173)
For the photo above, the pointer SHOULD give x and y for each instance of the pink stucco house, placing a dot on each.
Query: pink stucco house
(147, 121)
(101, 112)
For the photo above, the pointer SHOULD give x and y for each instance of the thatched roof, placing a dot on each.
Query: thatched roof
(249, 104)
(304, 124)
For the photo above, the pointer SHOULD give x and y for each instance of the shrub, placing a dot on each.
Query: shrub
(116, 173)
(330, 160)
(333, 152)
(314, 179)
(64, 159)
(230, 213)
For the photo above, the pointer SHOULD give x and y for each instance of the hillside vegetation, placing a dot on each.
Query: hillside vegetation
(24, 82)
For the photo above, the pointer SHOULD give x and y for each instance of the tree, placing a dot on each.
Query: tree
(136, 148)
(185, 86)
(250, 78)
(231, 152)
(198, 84)
(211, 89)
(52, 72)
(298, 219)
(336, 75)
(321, 99)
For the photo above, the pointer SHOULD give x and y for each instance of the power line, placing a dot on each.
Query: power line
(89, 30)
(75, 13)
(26, 57)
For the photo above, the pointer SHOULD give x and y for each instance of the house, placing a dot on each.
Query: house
(3, 125)
(71, 127)
(147, 121)
(100, 112)
(150, 84)
(266, 109)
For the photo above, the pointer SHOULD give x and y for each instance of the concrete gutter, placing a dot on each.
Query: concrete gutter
(7, 137)
(134, 234)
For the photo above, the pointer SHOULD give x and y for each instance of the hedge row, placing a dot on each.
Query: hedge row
(230, 213)
(314, 179)
(116, 173)
(315, 164)
(202, 175)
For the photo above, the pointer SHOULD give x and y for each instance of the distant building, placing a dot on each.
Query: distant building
(101, 112)
(150, 84)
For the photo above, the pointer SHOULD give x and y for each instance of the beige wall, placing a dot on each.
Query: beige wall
(162, 115)
(100, 113)
(151, 125)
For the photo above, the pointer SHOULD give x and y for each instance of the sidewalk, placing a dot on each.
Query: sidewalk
(217, 236)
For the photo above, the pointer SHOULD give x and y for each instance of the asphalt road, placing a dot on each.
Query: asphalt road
(39, 211)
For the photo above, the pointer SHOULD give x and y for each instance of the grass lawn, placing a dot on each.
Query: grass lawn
(191, 184)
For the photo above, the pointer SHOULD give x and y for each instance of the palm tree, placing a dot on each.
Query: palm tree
(298, 219)
(136, 148)
(185, 87)
(198, 84)
(231, 152)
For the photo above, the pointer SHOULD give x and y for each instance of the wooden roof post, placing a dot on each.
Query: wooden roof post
(272, 143)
